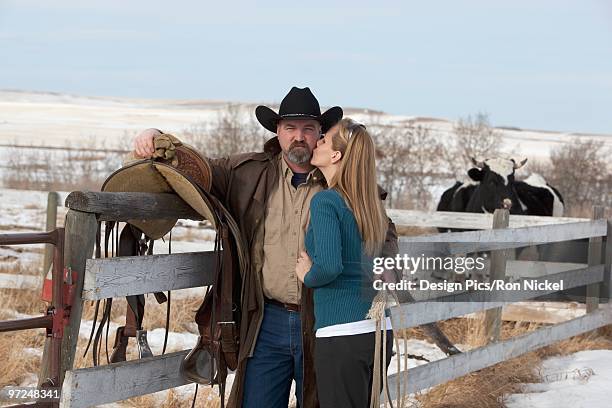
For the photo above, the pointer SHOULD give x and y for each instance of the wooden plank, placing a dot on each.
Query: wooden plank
(492, 322)
(488, 240)
(80, 236)
(460, 220)
(87, 387)
(136, 275)
(446, 307)
(131, 206)
(595, 258)
(440, 371)
(538, 269)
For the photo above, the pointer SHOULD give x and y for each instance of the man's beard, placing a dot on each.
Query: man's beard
(299, 153)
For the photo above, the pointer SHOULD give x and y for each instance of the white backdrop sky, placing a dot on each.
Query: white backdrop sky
(544, 64)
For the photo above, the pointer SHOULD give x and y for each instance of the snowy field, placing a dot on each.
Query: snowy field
(580, 380)
(51, 119)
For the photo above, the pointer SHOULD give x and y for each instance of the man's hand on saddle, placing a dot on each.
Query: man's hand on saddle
(143, 143)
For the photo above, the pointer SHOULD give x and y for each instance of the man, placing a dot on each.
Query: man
(268, 194)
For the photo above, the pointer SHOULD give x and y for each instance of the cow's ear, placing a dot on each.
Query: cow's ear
(475, 174)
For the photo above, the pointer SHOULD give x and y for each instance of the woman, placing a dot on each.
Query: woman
(347, 229)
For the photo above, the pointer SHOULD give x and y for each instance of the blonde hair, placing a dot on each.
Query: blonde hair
(355, 179)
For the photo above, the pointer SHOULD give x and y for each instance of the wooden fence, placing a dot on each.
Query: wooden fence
(122, 276)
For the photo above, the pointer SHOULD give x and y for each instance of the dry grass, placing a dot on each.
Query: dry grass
(21, 301)
(207, 398)
(142, 401)
(16, 363)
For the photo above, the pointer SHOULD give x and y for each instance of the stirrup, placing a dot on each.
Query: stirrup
(143, 345)
(199, 365)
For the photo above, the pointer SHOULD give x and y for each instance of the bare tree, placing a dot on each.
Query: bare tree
(408, 162)
(425, 165)
(52, 168)
(580, 171)
(474, 137)
(394, 152)
(234, 130)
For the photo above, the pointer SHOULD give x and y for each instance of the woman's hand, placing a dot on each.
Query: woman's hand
(303, 266)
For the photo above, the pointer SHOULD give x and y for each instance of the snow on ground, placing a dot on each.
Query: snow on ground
(416, 347)
(23, 211)
(580, 380)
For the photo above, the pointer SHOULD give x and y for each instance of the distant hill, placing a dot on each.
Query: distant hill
(56, 119)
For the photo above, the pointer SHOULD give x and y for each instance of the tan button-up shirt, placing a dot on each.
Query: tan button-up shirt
(287, 217)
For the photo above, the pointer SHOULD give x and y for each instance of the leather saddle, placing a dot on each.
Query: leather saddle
(178, 168)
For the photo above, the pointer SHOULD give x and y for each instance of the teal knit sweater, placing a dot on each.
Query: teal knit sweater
(340, 273)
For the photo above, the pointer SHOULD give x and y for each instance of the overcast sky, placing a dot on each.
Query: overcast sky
(533, 64)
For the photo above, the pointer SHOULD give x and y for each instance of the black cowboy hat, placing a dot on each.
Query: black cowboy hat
(299, 103)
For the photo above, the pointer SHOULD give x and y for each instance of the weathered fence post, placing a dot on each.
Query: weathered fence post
(606, 285)
(79, 243)
(493, 320)
(595, 258)
(52, 203)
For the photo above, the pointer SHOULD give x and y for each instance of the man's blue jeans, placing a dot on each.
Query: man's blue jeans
(277, 360)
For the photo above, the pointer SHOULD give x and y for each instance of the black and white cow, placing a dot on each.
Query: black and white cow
(492, 185)
(537, 197)
(456, 198)
(496, 186)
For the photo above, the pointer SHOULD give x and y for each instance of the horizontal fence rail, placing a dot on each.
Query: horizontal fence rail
(131, 206)
(461, 220)
(409, 315)
(136, 275)
(84, 387)
(454, 243)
